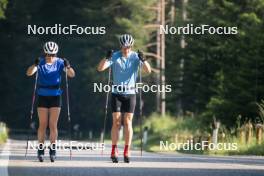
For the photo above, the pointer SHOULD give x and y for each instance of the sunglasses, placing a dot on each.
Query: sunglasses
(50, 55)
(126, 47)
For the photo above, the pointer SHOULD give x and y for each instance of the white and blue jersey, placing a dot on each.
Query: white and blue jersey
(49, 77)
(124, 71)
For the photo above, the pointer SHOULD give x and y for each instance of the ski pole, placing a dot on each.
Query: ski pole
(140, 111)
(68, 108)
(106, 105)
(32, 108)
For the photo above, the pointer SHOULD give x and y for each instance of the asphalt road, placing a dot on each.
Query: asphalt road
(92, 162)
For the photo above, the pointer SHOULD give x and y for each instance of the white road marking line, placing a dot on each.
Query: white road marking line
(150, 165)
(4, 157)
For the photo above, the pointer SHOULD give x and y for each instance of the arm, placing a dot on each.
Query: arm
(103, 64)
(70, 71)
(146, 67)
(33, 68)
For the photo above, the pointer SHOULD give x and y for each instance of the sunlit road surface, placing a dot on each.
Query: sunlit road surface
(91, 162)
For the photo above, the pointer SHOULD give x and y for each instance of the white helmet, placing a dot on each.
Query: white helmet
(50, 48)
(126, 40)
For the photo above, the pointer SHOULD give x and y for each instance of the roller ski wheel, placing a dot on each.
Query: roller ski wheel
(41, 155)
(114, 159)
(126, 159)
(52, 153)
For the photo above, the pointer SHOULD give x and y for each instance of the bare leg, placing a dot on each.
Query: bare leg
(54, 114)
(115, 127)
(43, 123)
(128, 128)
(128, 131)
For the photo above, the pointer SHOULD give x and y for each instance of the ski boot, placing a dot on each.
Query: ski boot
(126, 159)
(52, 152)
(41, 151)
(114, 158)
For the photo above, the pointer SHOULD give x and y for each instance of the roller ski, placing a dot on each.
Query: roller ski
(52, 153)
(41, 151)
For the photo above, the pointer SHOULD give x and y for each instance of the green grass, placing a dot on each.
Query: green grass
(249, 149)
(252, 150)
(165, 129)
(3, 133)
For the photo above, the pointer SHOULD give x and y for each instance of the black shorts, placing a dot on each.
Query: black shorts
(49, 101)
(123, 103)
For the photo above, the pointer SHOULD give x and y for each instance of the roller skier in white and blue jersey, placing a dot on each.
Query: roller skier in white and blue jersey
(125, 65)
(50, 69)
